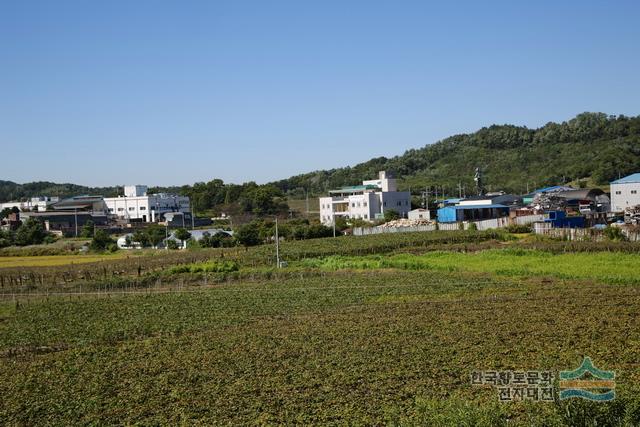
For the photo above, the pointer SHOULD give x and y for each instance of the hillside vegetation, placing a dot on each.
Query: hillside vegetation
(593, 147)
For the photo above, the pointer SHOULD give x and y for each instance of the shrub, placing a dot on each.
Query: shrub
(390, 215)
(205, 267)
(102, 241)
(172, 244)
(518, 228)
(614, 234)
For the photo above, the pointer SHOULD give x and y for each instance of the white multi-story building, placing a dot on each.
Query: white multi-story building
(625, 192)
(368, 201)
(137, 205)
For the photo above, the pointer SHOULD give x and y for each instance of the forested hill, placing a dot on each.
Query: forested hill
(592, 145)
(11, 191)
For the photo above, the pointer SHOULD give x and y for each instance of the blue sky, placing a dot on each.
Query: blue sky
(161, 93)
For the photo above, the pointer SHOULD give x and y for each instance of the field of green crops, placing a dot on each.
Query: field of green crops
(378, 331)
(607, 267)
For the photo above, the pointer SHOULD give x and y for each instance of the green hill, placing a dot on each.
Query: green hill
(591, 146)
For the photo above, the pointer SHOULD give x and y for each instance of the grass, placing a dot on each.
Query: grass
(607, 267)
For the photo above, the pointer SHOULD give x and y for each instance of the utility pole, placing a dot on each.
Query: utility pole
(166, 234)
(193, 217)
(459, 190)
(75, 214)
(306, 195)
(277, 245)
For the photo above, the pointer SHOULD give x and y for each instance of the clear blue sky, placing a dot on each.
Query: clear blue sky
(158, 93)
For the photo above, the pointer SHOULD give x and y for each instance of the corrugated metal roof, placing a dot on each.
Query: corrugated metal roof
(583, 194)
(553, 188)
(493, 206)
(633, 178)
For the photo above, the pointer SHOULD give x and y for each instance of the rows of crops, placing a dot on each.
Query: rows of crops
(373, 347)
(141, 270)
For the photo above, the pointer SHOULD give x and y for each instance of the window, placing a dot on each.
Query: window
(399, 203)
(110, 209)
(358, 204)
(132, 208)
(153, 208)
(143, 208)
(364, 204)
(618, 192)
(120, 209)
(353, 204)
(634, 191)
(385, 203)
(366, 216)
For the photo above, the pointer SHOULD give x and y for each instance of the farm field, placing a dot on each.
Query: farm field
(56, 260)
(386, 332)
(601, 266)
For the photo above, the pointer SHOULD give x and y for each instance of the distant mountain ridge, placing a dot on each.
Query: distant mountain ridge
(591, 145)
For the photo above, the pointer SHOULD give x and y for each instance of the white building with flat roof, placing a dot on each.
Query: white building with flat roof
(625, 192)
(137, 205)
(368, 201)
(39, 204)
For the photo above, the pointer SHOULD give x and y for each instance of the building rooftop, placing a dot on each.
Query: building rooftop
(633, 178)
(77, 202)
(355, 188)
(463, 207)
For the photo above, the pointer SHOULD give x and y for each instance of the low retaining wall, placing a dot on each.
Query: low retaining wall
(451, 226)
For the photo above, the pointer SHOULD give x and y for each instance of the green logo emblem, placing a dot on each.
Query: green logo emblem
(588, 382)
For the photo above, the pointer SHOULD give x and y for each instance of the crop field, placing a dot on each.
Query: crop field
(56, 260)
(377, 331)
(602, 266)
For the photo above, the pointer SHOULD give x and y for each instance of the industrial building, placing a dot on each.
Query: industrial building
(478, 208)
(68, 215)
(625, 192)
(40, 203)
(138, 206)
(368, 201)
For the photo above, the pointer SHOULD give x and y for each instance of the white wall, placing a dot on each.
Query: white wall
(629, 195)
(146, 208)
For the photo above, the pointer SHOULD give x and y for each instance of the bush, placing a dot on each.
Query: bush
(249, 234)
(102, 241)
(614, 234)
(31, 232)
(205, 267)
(390, 215)
(172, 244)
(519, 228)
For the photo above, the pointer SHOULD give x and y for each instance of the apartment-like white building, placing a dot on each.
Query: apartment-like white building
(368, 201)
(137, 205)
(625, 192)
